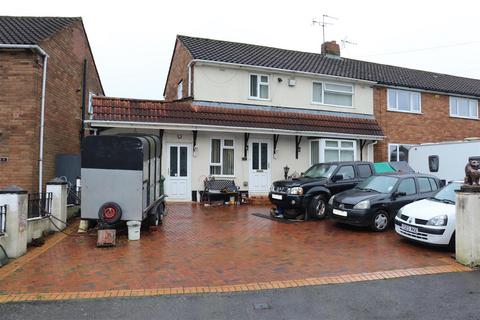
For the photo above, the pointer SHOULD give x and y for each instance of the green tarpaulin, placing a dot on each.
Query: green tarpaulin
(383, 167)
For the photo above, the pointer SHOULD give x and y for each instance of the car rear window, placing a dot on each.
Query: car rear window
(424, 185)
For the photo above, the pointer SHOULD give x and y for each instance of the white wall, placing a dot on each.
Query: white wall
(229, 84)
(201, 161)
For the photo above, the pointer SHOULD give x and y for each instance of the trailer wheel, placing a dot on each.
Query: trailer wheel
(110, 213)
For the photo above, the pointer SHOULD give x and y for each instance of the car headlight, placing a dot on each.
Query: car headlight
(272, 187)
(296, 190)
(438, 221)
(365, 204)
(399, 213)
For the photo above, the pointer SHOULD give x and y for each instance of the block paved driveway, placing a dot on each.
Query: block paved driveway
(216, 246)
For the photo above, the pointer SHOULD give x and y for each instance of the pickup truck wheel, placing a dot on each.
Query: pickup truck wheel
(380, 221)
(317, 208)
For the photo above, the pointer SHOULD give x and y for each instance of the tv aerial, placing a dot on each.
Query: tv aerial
(325, 21)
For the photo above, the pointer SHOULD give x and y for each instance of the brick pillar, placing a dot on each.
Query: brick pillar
(15, 240)
(58, 188)
(467, 216)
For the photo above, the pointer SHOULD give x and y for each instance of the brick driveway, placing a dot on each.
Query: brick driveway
(199, 246)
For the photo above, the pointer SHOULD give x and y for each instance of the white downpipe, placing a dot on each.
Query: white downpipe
(42, 107)
(190, 77)
(42, 125)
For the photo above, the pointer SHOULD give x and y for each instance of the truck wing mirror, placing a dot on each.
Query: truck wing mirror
(337, 177)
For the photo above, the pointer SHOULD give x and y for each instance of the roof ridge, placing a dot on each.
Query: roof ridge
(251, 44)
(40, 17)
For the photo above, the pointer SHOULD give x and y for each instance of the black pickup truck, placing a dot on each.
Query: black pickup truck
(310, 193)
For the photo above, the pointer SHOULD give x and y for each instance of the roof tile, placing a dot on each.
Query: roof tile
(190, 112)
(254, 55)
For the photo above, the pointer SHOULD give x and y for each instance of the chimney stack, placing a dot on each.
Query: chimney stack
(331, 48)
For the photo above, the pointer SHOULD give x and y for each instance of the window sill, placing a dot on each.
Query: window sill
(258, 99)
(465, 118)
(401, 111)
(331, 105)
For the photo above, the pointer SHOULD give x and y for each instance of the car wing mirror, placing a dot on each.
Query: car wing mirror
(337, 177)
(399, 194)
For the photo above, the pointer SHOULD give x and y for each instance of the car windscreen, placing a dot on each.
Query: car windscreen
(381, 184)
(447, 193)
(321, 170)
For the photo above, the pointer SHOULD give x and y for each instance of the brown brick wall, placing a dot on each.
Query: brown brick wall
(178, 71)
(20, 86)
(67, 50)
(434, 124)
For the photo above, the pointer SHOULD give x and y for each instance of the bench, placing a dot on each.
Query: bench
(213, 187)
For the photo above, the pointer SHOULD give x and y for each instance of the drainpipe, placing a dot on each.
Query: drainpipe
(190, 77)
(42, 105)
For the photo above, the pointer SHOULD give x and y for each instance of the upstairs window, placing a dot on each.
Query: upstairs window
(180, 90)
(259, 88)
(333, 94)
(463, 108)
(404, 101)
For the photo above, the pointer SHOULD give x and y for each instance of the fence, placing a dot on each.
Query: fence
(39, 205)
(3, 219)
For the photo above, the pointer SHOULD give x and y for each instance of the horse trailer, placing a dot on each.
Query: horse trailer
(121, 179)
(446, 160)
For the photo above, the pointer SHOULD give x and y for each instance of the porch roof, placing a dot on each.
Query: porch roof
(216, 116)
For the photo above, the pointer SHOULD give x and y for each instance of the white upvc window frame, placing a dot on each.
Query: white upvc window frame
(323, 147)
(220, 164)
(456, 100)
(259, 83)
(324, 84)
(180, 90)
(397, 145)
(411, 93)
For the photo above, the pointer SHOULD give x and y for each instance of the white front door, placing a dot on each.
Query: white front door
(259, 167)
(178, 182)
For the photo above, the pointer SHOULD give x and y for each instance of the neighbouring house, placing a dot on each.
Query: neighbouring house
(47, 71)
(245, 112)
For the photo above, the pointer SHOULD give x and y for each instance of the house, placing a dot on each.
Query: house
(246, 112)
(46, 73)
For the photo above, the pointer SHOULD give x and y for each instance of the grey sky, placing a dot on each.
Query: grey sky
(133, 40)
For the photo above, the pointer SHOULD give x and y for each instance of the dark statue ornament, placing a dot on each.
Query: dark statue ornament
(472, 175)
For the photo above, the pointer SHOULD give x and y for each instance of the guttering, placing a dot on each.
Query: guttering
(279, 70)
(204, 127)
(42, 104)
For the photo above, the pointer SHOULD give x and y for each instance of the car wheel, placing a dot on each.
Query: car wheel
(317, 208)
(380, 221)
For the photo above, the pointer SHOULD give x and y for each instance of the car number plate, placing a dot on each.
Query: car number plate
(409, 228)
(277, 196)
(340, 212)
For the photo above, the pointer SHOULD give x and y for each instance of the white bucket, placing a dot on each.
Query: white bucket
(134, 229)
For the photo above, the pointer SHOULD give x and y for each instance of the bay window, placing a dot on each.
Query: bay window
(222, 157)
(463, 108)
(404, 101)
(329, 150)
